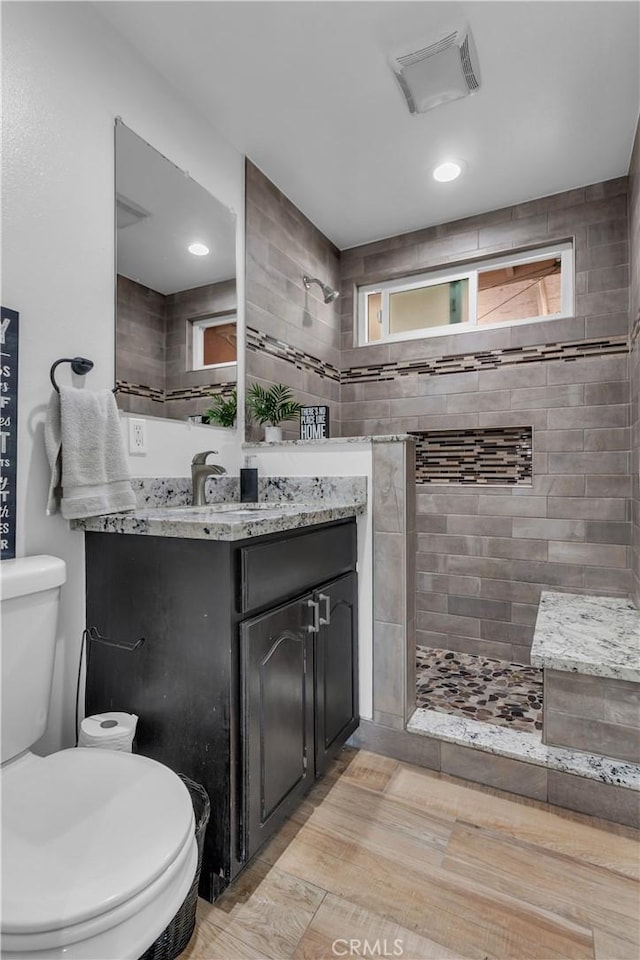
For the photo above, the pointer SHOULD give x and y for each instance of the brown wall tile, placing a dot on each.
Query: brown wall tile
(423, 751)
(525, 779)
(569, 530)
(592, 736)
(594, 798)
(281, 246)
(634, 375)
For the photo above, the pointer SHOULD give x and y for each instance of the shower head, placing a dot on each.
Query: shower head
(328, 292)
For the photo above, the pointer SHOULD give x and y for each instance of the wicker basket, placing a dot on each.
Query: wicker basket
(175, 937)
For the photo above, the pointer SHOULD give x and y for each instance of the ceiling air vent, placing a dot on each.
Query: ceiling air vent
(445, 70)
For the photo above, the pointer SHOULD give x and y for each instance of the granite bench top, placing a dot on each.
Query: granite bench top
(220, 521)
(599, 636)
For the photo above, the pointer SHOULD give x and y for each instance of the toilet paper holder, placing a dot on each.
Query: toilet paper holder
(129, 645)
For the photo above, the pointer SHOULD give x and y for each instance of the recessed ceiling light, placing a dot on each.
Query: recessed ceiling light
(198, 249)
(445, 172)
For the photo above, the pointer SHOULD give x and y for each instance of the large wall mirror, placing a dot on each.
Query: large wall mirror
(176, 342)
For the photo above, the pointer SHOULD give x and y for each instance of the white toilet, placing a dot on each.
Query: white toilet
(98, 846)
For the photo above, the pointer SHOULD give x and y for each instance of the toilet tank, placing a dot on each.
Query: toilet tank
(29, 599)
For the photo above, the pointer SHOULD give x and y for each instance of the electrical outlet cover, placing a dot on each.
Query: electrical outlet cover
(137, 437)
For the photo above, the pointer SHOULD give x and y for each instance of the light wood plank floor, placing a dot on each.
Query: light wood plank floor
(387, 859)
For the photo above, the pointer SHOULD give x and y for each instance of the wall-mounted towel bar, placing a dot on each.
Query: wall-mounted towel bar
(79, 365)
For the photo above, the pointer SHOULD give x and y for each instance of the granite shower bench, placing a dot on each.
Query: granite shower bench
(589, 649)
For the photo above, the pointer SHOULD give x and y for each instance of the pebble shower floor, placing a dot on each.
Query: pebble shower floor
(479, 688)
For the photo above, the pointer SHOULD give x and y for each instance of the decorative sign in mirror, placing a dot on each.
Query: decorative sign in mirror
(176, 342)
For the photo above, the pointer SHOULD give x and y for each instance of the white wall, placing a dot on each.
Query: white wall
(66, 76)
(336, 460)
(171, 445)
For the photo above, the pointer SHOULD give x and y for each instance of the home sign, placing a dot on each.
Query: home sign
(314, 423)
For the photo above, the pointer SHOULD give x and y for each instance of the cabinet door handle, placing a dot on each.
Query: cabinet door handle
(314, 626)
(327, 608)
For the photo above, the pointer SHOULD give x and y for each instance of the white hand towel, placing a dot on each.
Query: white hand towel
(52, 441)
(84, 444)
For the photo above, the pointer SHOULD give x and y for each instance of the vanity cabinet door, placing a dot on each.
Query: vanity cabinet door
(336, 668)
(276, 655)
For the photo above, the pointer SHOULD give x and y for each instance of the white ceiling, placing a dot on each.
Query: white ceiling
(153, 250)
(304, 89)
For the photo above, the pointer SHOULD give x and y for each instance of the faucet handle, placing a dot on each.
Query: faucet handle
(199, 458)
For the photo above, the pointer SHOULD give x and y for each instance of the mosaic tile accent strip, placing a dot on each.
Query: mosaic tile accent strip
(188, 393)
(140, 390)
(434, 366)
(479, 688)
(487, 360)
(263, 343)
(195, 393)
(492, 455)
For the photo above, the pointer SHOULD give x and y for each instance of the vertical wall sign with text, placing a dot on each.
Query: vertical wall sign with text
(8, 430)
(314, 423)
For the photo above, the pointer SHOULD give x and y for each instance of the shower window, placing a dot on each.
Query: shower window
(516, 288)
(213, 342)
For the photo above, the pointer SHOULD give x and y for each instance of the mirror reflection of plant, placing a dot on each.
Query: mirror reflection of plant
(272, 405)
(223, 410)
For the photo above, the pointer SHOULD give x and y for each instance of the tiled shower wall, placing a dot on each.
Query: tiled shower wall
(634, 334)
(151, 349)
(486, 552)
(293, 337)
(188, 391)
(140, 346)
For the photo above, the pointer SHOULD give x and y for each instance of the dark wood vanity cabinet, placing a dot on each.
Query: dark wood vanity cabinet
(247, 679)
(299, 700)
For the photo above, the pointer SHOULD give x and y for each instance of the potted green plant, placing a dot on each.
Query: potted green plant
(223, 410)
(272, 406)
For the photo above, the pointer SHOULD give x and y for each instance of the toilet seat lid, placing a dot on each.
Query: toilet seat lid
(83, 831)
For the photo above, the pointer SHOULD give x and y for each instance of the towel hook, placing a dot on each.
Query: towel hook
(79, 365)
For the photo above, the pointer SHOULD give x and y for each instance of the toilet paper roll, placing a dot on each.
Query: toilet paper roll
(111, 731)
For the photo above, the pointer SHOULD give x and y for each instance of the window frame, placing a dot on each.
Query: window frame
(469, 271)
(197, 340)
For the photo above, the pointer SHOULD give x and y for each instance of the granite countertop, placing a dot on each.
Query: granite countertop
(599, 636)
(382, 438)
(219, 521)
